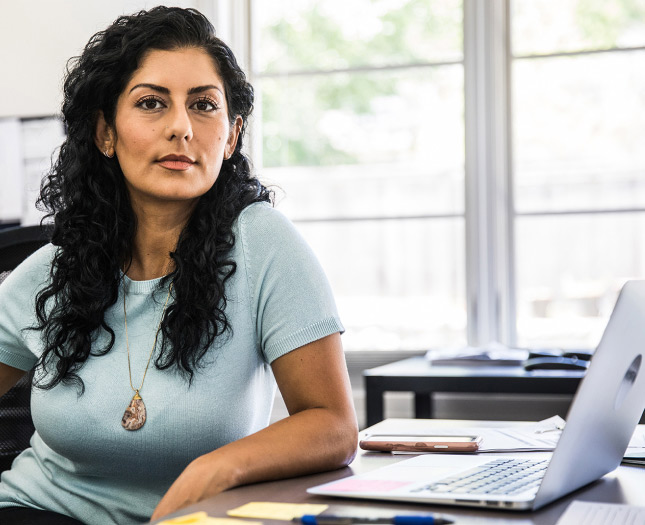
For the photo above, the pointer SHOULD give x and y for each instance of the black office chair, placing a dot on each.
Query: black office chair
(16, 427)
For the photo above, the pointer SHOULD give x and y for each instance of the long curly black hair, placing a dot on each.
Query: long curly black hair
(93, 221)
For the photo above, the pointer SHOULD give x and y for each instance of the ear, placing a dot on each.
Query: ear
(231, 142)
(104, 136)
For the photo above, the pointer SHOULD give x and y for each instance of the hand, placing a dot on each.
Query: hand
(202, 479)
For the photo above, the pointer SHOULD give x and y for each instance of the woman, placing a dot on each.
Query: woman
(171, 294)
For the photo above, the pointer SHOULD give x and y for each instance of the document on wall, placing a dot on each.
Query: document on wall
(11, 171)
(591, 513)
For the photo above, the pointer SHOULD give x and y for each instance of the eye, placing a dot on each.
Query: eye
(204, 104)
(150, 102)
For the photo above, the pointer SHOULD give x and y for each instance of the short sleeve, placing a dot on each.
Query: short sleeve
(291, 300)
(18, 344)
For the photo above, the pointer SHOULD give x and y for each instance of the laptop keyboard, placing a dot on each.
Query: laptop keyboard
(498, 477)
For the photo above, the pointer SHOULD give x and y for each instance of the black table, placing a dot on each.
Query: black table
(418, 375)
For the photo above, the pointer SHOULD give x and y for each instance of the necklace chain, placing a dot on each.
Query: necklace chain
(154, 345)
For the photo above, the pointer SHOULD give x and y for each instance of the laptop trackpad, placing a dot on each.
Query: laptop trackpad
(425, 468)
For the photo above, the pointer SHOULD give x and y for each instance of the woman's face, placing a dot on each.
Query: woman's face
(172, 128)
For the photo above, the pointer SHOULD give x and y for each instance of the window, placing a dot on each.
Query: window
(465, 171)
(578, 72)
(362, 129)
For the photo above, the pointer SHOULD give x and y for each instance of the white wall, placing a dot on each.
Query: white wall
(38, 37)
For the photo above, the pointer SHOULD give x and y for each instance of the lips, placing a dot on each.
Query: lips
(176, 162)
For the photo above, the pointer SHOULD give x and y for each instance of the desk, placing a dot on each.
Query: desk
(417, 375)
(624, 485)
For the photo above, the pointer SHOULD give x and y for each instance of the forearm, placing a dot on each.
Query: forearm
(313, 440)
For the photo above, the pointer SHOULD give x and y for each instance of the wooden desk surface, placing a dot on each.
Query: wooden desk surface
(624, 485)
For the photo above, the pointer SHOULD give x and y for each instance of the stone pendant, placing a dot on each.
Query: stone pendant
(135, 415)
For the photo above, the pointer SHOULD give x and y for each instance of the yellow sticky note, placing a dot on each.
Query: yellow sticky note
(227, 521)
(276, 511)
(201, 518)
(188, 519)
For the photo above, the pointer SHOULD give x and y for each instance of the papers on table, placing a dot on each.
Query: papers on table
(591, 513)
(493, 354)
(542, 436)
(538, 437)
(634, 457)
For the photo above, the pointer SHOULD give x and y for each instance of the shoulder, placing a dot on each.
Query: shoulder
(40, 260)
(262, 216)
(261, 224)
(269, 241)
(33, 272)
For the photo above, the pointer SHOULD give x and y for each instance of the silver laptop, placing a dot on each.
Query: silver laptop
(601, 421)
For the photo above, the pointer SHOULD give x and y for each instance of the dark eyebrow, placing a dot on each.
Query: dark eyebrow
(161, 89)
(166, 91)
(201, 89)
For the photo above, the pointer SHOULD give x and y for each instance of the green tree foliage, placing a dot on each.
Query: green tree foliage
(603, 22)
(306, 57)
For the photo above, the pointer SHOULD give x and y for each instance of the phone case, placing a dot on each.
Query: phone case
(373, 444)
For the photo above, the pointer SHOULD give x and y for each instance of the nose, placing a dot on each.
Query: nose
(178, 125)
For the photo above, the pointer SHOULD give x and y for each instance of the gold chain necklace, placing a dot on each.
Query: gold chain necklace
(135, 415)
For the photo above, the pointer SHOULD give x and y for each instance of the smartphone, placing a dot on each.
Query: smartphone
(420, 443)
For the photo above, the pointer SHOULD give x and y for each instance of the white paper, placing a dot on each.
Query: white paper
(490, 355)
(518, 440)
(638, 439)
(539, 437)
(591, 513)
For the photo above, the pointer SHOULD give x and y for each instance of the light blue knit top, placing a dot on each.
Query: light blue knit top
(82, 462)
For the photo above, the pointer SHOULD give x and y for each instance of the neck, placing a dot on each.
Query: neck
(157, 234)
